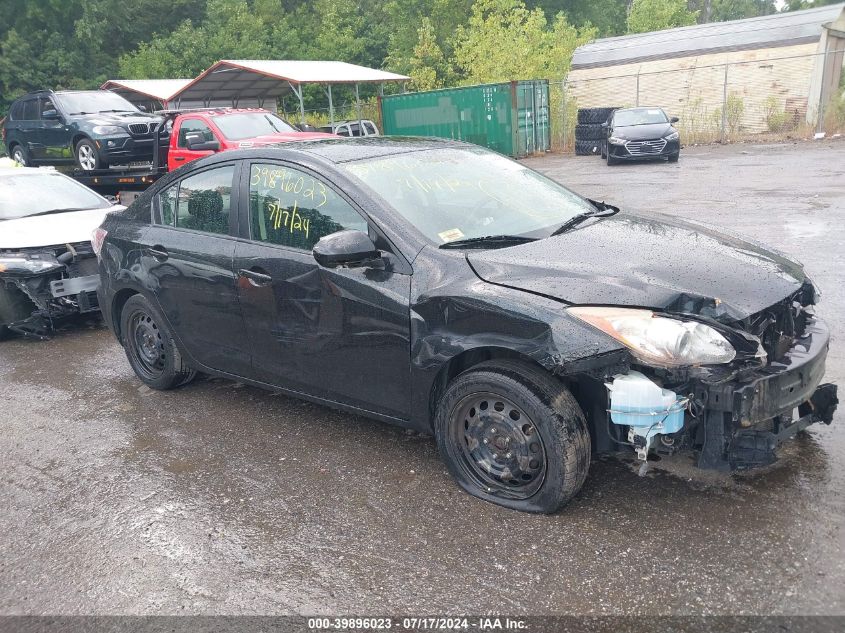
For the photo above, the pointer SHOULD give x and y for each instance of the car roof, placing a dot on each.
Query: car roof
(343, 150)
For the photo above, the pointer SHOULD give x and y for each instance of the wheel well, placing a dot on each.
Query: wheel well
(118, 302)
(464, 361)
(76, 139)
(590, 393)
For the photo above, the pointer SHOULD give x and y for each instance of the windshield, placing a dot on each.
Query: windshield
(94, 102)
(455, 194)
(29, 194)
(237, 127)
(643, 116)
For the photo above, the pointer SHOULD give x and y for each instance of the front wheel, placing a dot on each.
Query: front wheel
(673, 158)
(513, 435)
(610, 159)
(88, 156)
(150, 348)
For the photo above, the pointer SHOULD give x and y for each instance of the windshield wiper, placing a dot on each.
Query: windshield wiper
(493, 240)
(82, 113)
(602, 210)
(131, 111)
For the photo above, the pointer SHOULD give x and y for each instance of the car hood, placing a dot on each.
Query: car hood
(651, 262)
(118, 118)
(642, 132)
(285, 137)
(49, 230)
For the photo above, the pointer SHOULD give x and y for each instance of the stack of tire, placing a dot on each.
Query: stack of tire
(589, 134)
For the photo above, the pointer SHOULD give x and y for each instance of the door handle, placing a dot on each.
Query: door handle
(178, 158)
(159, 252)
(255, 278)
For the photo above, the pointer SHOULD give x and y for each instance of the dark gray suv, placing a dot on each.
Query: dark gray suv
(94, 129)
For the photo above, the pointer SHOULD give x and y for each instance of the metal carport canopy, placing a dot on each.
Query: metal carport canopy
(158, 89)
(271, 78)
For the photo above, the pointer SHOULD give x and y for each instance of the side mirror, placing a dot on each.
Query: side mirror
(674, 119)
(50, 115)
(345, 248)
(197, 143)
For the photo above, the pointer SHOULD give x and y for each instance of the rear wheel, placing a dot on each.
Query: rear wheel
(14, 306)
(513, 435)
(20, 155)
(150, 348)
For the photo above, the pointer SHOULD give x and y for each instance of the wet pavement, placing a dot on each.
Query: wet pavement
(221, 498)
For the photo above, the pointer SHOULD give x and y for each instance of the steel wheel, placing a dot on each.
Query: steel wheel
(86, 157)
(146, 344)
(18, 156)
(499, 446)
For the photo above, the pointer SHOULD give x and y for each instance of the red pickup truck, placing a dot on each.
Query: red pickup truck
(203, 132)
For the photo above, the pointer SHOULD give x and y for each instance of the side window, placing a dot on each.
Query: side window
(203, 201)
(30, 110)
(167, 203)
(291, 208)
(370, 128)
(194, 125)
(44, 105)
(16, 113)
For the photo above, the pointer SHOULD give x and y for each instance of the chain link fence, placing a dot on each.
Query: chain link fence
(769, 98)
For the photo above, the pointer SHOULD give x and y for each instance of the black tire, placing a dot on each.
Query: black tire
(14, 306)
(88, 156)
(539, 425)
(594, 115)
(587, 148)
(589, 132)
(673, 158)
(150, 347)
(604, 149)
(610, 160)
(19, 154)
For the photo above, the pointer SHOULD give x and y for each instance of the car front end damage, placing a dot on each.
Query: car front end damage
(732, 415)
(643, 149)
(60, 281)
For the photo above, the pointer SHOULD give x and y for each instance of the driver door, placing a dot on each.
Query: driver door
(342, 334)
(181, 154)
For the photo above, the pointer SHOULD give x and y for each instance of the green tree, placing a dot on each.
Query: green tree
(724, 10)
(608, 16)
(429, 68)
(656, 15)
(505, 40)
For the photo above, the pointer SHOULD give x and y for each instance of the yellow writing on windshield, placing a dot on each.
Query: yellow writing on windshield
(289, 218)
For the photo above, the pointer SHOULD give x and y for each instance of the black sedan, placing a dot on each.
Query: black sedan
(641, 134)
(442, 287)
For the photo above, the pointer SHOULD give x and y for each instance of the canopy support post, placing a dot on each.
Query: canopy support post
(331, 106)
(358, 110)
(298, 92)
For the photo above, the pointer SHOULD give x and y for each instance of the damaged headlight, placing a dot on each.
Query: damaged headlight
(658, 340)
(23, 264)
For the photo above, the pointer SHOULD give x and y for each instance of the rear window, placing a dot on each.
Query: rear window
(30, 110)
(25, 194)
(16, 113)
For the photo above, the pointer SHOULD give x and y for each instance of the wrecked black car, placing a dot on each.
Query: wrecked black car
(48, 270)
(442, 287)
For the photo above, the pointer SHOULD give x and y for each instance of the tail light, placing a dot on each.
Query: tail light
(97, 238)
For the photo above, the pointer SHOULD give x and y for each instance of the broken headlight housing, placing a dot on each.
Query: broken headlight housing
(658, 340)
(28, 264)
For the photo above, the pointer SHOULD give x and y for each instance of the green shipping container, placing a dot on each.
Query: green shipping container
(511, 118)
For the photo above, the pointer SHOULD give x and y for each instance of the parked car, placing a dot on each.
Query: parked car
(352, 128)
(47, 265)
(443, 287)
(200, 133)
(93, 128)
(641, 134)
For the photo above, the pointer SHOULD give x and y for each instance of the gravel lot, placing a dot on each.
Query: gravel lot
(221, 498)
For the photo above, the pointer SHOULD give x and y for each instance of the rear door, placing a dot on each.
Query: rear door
(30, 129)
(337, 333)
(187, 254)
